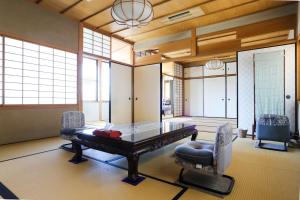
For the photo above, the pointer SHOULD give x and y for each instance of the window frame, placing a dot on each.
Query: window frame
(109, 59)
(98, 79)
(4, 106)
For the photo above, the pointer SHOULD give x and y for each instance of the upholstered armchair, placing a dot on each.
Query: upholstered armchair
(205, 163)
(273, 128)
(71, 122)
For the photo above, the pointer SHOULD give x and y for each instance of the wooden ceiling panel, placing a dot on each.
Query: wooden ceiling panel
(155, 24)
(101, 18)
(223, 15)
(97, 14)
(174, 6)
(86, 8)
(57, 5)
(153, 2)
(113, 27)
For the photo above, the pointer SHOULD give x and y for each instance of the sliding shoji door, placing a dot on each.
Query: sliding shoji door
(147, 93)
(214, 93)
(121, 93)
(214, 97)
(231, 90)
(193, 91)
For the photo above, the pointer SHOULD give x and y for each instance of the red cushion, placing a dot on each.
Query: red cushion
(107, 133)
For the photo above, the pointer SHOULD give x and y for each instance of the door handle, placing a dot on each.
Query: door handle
(222, 99)
(129, 98)
(136, 98)
(288, 96)
(228, 99)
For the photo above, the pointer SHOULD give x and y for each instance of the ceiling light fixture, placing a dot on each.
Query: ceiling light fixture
(214, 64)
(132, 13)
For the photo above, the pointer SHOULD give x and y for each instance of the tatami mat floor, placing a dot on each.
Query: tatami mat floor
(259, 174)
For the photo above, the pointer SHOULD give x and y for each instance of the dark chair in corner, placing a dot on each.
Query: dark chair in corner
(204, 163)
(273, 128)
(71, 122)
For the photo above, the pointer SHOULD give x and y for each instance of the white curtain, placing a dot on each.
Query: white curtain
(269, 83)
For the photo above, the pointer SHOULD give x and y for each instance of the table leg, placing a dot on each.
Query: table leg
(77, 158)
(133, 176)
(194, 136)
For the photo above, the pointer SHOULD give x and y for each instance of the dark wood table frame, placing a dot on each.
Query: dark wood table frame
(130, 150)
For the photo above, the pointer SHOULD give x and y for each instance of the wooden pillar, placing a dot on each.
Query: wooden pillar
(193, 43)
(79, 66)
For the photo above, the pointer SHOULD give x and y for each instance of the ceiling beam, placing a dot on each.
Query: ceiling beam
(70, 7)
(160, 17)
(154, 5)
(214, 12)
(193, 42)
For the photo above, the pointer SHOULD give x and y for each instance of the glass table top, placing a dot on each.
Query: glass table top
(135, 132)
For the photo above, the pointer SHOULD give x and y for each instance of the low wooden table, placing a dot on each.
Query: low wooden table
(136, 139)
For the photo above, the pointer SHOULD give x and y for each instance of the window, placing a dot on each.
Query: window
(36, 74)
(96, 43)
(90, 80)
(105, 81)
(121, 51)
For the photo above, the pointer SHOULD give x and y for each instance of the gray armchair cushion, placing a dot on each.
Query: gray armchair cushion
(196, 152)
(71, 122)
(273, 120)
(223, 148)
(73, 119)
(216, 157)
(273, 127)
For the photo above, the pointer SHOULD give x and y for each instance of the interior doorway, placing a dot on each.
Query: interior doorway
(172, 90)
(96, 90)
(167, 97)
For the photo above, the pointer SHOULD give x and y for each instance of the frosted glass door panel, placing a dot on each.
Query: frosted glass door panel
(269, 83)
(231, 97)
(214, 97)
(121, 100)
(194, 97)
(147, 93)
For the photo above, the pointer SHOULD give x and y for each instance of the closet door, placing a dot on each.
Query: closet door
(214, 97)
(231, 97)
(194, 97)
(121, 96)
(147, 93)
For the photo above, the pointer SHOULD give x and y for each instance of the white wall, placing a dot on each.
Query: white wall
(25, 19)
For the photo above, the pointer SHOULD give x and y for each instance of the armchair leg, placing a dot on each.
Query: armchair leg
(181, 175)
(285, 146)
(221, 185)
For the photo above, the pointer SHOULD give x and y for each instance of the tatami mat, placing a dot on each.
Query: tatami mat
(20, 149)
(51, 176)
(259, 174)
